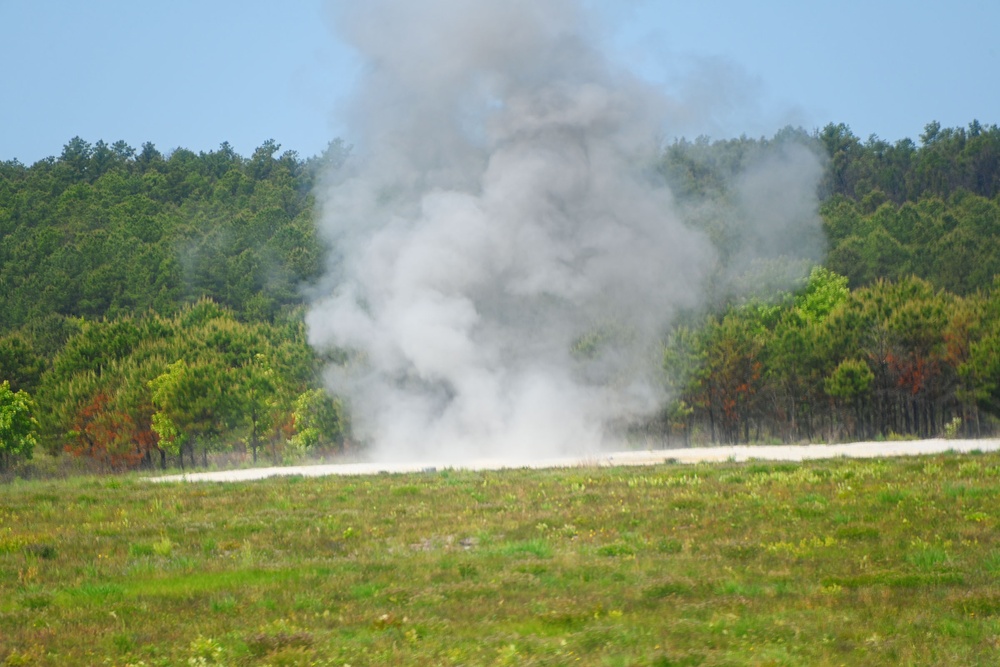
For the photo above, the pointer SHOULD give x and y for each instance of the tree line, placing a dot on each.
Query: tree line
(151, 304)
(893, 336)
(131, 392)
(827, 363)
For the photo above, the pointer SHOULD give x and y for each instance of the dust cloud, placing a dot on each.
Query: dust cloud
(506, 256)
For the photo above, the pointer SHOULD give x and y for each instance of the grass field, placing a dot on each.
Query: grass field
(839, 562)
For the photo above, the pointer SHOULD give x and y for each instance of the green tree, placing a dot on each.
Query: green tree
(978, 351)
(192, 406)
(257, 398)
(18, 428)
(20, 364)
(319, 421)
(850, 383)
(982, 369)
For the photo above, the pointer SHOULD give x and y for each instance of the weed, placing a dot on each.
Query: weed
(811, 505)
(667, 589)
(277, 638)
(209, 546)
(223, 605)
(123, 642)
(205, 651)
(952, 428)
(970, 469)
(43, 551)
(965, 491)
(616, 549)
(740, 552)
(741, 589)
(138, 550)
(979, 605)
(687, 502)
(36, 601)
(892, 496)
(931, 469)
(163, 547)
(539, 548)
(365, 591)
(926, 556)
(669, 546)
(675, 660)
(569, 531)
(758, 468)
(857, 533)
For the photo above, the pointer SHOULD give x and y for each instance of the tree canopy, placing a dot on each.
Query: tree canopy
(151, 303)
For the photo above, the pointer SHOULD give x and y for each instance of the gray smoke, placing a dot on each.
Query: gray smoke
(506, 257)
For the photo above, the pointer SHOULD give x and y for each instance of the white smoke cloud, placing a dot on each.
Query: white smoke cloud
(506, 258)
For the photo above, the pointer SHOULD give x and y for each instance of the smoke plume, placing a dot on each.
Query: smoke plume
(505, 255)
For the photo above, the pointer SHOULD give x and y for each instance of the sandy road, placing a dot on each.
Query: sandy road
(609, 459)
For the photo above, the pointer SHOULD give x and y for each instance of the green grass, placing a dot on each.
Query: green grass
(838, 562)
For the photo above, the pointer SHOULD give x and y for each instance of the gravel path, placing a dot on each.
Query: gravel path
(631, 458)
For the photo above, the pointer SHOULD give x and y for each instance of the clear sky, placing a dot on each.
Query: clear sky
(195, 73)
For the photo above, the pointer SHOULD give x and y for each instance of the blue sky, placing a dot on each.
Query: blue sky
(195, 73)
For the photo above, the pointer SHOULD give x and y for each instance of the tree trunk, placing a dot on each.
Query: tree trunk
(711, 419)
(859, 424)
(793, 426)
(711, 410)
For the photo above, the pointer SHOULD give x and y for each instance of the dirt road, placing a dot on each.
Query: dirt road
(629, 458)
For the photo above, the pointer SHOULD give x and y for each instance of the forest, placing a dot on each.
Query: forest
(151, 304)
